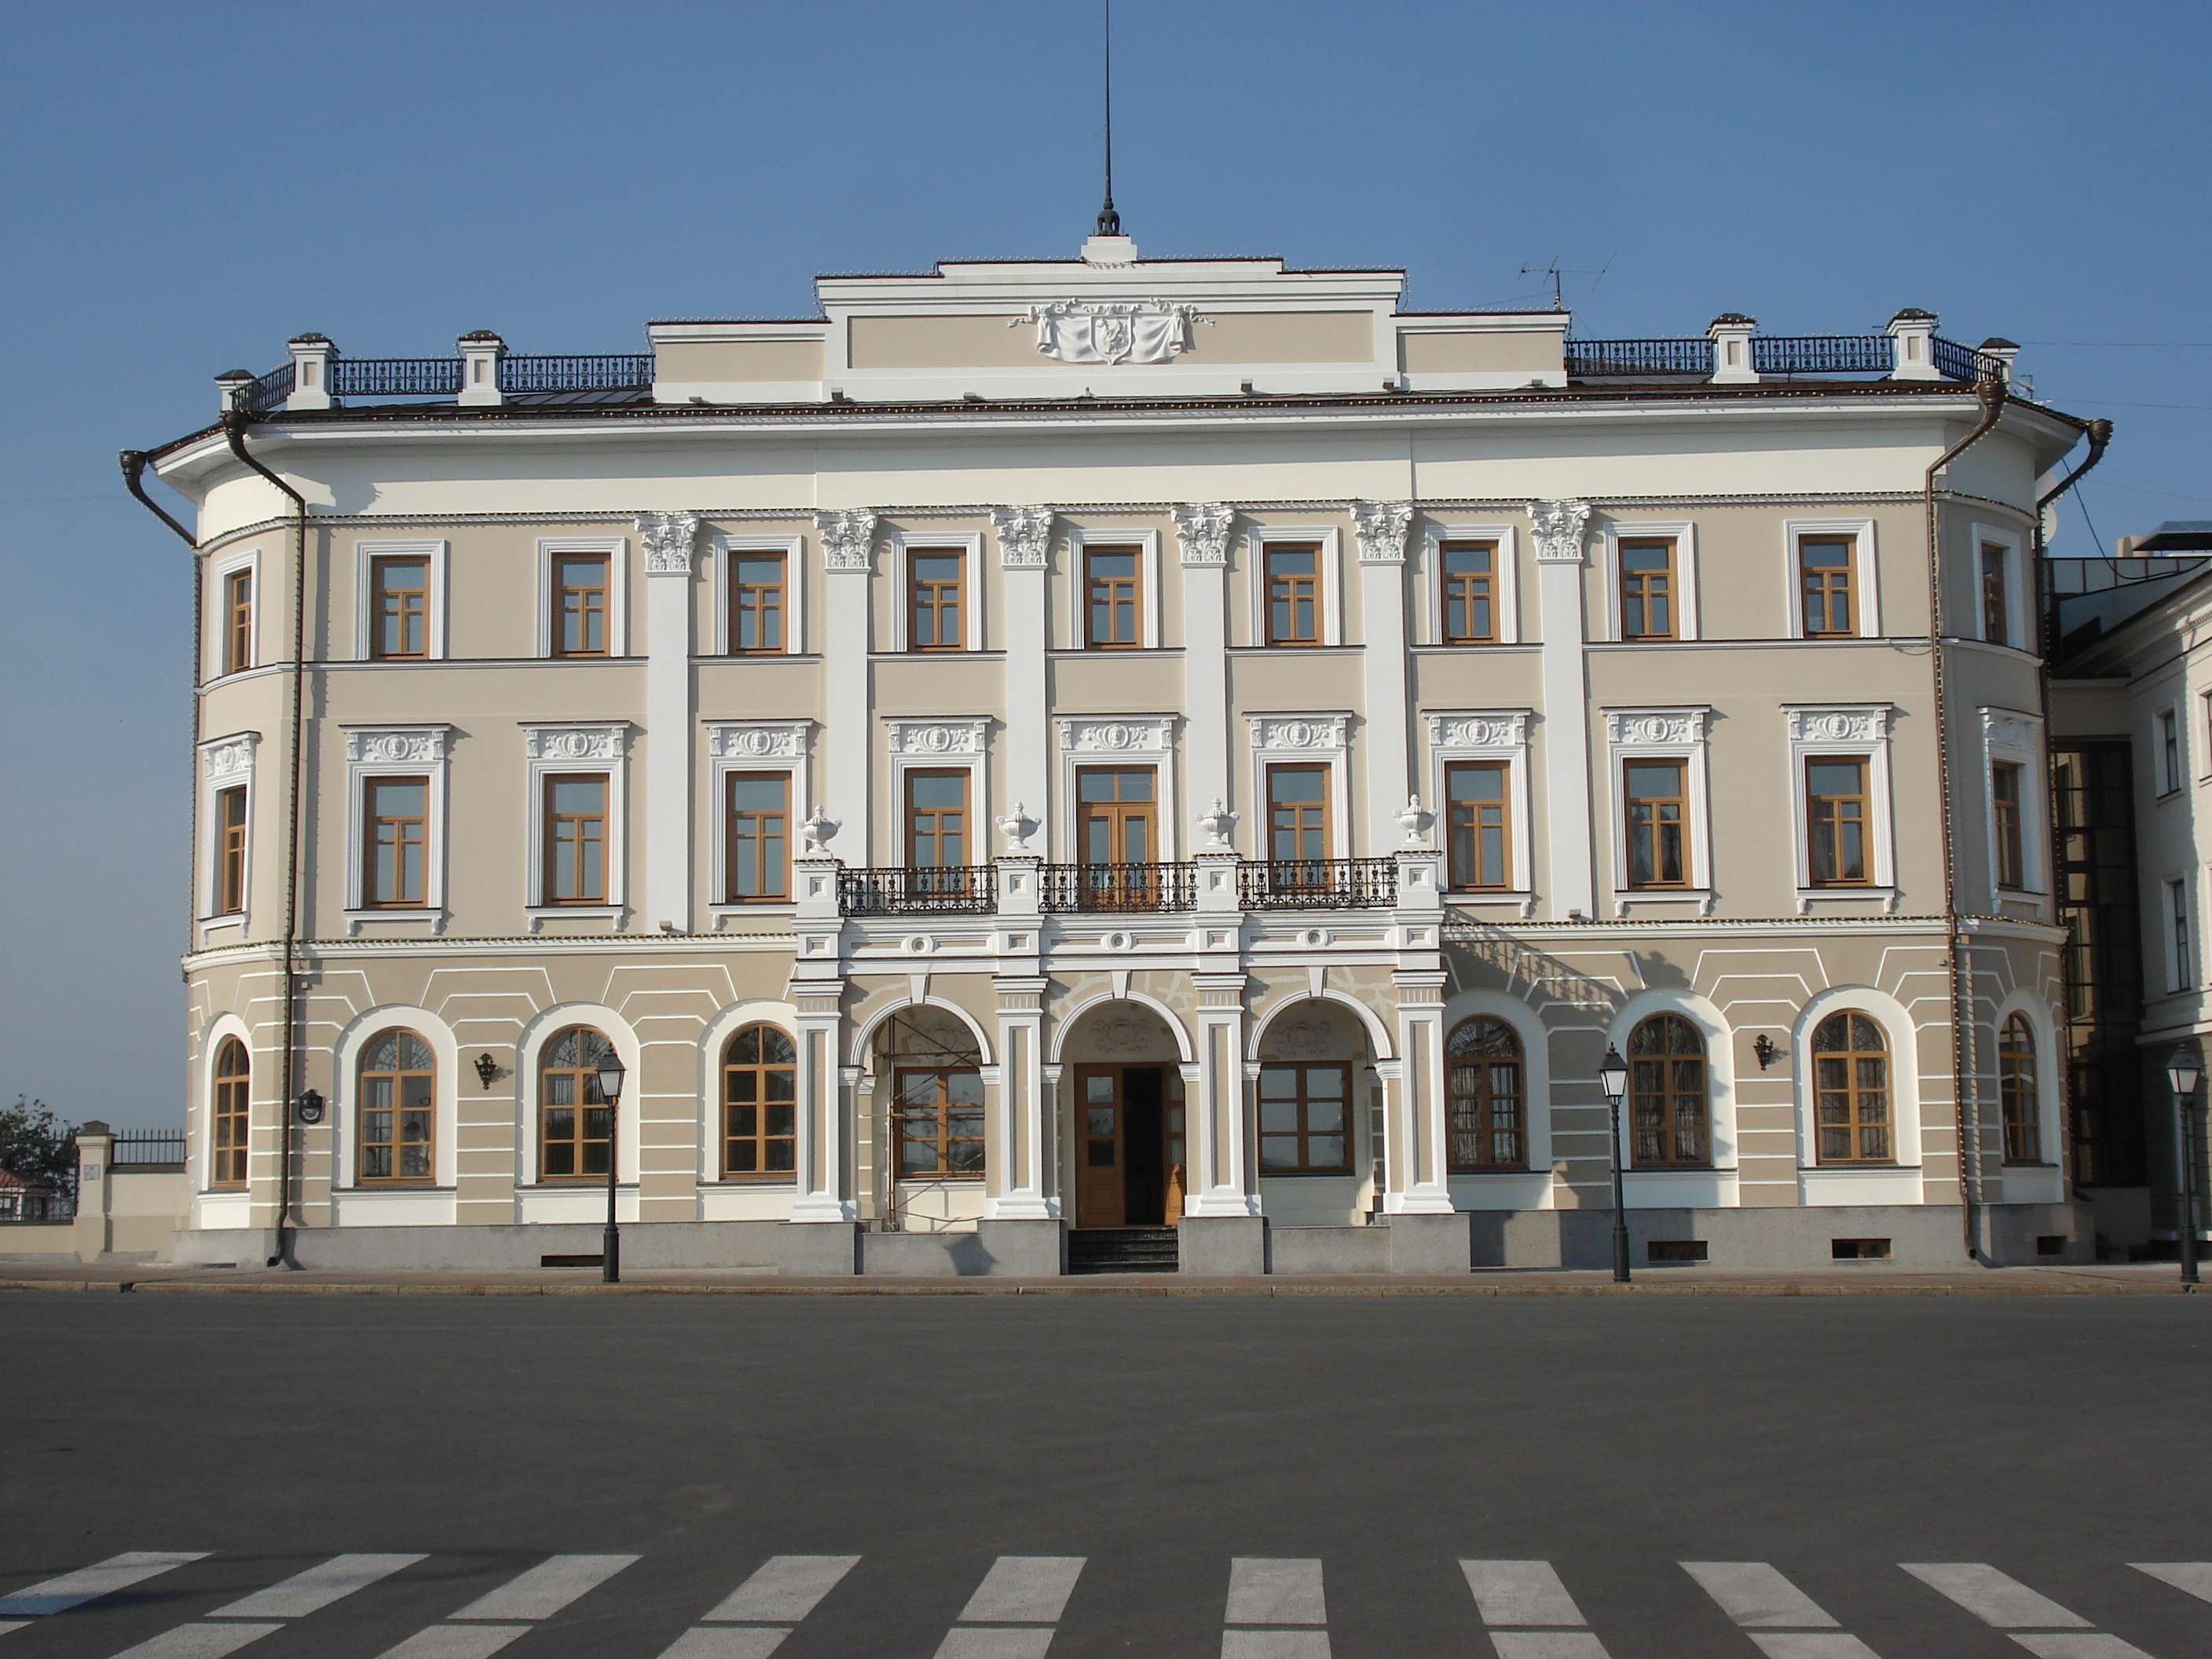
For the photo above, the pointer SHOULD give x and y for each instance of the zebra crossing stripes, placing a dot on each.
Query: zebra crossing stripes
(529, 1597)
(1528, 1612)
(1015, 1610)
(2192, 1578)
(74, 1590)
(2035, 1621)
(1285, 1599)
(752, 1621)
(315, 1587)
(1783, 1621)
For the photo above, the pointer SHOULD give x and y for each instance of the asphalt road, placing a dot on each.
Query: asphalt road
(1373, 1445)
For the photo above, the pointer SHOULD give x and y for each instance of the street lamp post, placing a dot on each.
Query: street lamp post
(2183, 1073)
(610, 1086)
(1612, 1078)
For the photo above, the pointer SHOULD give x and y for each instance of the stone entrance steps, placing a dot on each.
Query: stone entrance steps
(1123, 1250)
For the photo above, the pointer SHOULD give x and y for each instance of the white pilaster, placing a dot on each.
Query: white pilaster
(823, 1155)
(1203, 533)
(1024, 541)
(1383, 526)
(669, 539)
(1559, 556)
(847, 559)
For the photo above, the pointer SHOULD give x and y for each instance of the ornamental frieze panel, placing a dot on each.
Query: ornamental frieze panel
(937, 736)
(575, 743)
(1850, 724)
(757, 740)
(408, 745)
(1504, 730)
(1148, 734)
(1112, 331)
(228, 757)
(1658, 728)
(1305, 734)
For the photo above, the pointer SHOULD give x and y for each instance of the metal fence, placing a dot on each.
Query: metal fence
(1595, 357)
(617, 373)
(958, 890)
(1776, 354)
(1317, 884)
(1137, 888)
(136, 1149)
(395, 377)
(37, 1209)
(1823, 353)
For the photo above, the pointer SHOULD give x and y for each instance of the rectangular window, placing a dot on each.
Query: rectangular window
(395, 826)
(1470, 608)
(1114, 579)
(1297, 816)
(757, 604)
(935, 579)
(1826, 574)
(936, 820)
(1996, 595)
(941, 1121)
(1294, 595)
(237, 621)
(230, 851)
(1647, 588)
(759, 837)
(399, 591)
(576, 840)
(2169, 751)
(1654, 810)
(1305, 1119)
(1117, 821)
(2184, 951)
(1836, 821)
(580, 605)
(2005, 801)
(1478, 829)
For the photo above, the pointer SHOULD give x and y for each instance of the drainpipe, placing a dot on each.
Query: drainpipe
(133, 462)
(234, 430)
(2100, 436)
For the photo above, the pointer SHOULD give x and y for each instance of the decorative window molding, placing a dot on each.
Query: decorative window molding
(1382, 527)
(1866, 581)
(1492, 735)
(724, 552)
(2013, 738)
(1558, 530)
(1505, 584)
(397, 752)
(1114, 740)
(1329, 539)
(734, 746)
(617, 548)
(1856, 730)
(1149, 579)
(1202, 532)
(2019, 621)
(433, 553)
(217, 623)
(1025, 536)
(345, 1095)
(1662, 734)
(1684, 534)
(849, 539)
(225, 763)
(941, 745)
(1278, 740)
(1849, 1183)
(557, 748)
(970, 549)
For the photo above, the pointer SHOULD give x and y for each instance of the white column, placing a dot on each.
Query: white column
(1418, 1181)
(823, 1156)
(1566, 721)
(1025, 540)
(848, 558)
(1221, 1182)
(1383, 526)
(669, 539)
(1203, 532)
(1021, 1182)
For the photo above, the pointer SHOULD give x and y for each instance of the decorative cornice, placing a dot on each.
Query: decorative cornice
(1202, 528)
(1312, 734)
(926, 737)
(1558, 530)
(1152, 734)
(1844, 723)
(1656, 728)
(2003, 729)
(668, 538)
(757, 740)
(229, 757)
(1383, 526)
(1491, 729)
(848, 538)
(411, 745)
(1025, 536)
(599, 741)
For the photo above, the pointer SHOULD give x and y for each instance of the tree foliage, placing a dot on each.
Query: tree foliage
(37, 1145)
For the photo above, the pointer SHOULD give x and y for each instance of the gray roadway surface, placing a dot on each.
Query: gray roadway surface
(2058, 1439)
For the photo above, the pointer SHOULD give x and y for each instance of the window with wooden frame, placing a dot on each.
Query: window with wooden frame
(399, 592)
(2011, 850)
(237, 621)
(1671, 1113)
(580, 605)
(1114, 598)
(576, 839)
(575, 1126)
(397, 1116)
(1468, 604)
(758, 605)
(940, 1120)
(1305, 1119)
(1654, 808)
(230, 851)
(1647, 588)
(1836, 821)
(232, 1115)
(937, 608)
(1996, 592)
(1827, 578)
(1293, 593)
(1298, 828)
(1485, 1093)
(756, 838)
(395, 842)
(1118, 816)
(1478, 825)
(760, 1103)
(1850, 1091)
(2017, 1090)
(937, 820)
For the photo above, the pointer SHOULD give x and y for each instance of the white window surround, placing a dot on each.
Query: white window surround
(1300, 739)
(578, 747)
(345, 1101)
(220, 569)
(1684, 533)
(1895, 1182)
(1492, 735)
(1088, 740)
(616, 548)
(2170, 777)
(2011, 738)
(2048, 1104)
(590, 1192)
(433, 597)
(1505, 584)
(734, 747)
(1866, 577)
(395, 751)
(1259, 539)
(1855, 730)
(2178, 905)
(957, 744)
(1486, 1189)
(1662, 734)
(225, 763)
(723, 553)
(1711, 1185)
(201, 1169)
(2019, 623)
(972, 584)
(1147, 542)
(713, 1042)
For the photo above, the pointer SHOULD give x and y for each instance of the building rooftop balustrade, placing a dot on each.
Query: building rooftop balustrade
(445, 377)
(1778, 354)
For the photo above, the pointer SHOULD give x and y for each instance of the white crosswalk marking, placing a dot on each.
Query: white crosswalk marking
(7, 1624)
(1520, 1593)
(1262, 1591)
(1546, 1645)
(1024, 1589)
(90, 1583)
(547, 1587)
(985, 1642)
(456, 1641)
(1810, 1645)
(313, 1591)
(1753, 1594)
(199, 1641)
(785, 1589)
(2193, 1576)
(2069, 1646)
(729, 1642)
(1995, 1598)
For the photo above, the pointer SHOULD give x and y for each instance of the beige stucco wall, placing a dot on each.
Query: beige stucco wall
(738, 360)
(1479, 351)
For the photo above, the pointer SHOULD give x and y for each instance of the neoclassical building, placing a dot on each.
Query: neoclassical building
(1159, 759)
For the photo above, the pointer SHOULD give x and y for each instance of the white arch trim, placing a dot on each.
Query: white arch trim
(725, 1025)
(1536, 1076)
(1378, 1034)
(1063, 1026)
(1720, 1085)
(866, 1035)
(220, 1029)
(543, 1027)
(2041, 1027)
(345, 1085)
(1904, 1038)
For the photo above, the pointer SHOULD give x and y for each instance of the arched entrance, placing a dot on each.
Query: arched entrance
(1122, 1081)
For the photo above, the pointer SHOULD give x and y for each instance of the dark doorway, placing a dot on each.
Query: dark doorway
(1145, 1185)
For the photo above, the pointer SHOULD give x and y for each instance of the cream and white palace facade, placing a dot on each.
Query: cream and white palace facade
(1040, 750)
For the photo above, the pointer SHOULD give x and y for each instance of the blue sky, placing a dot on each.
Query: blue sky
(186, 187)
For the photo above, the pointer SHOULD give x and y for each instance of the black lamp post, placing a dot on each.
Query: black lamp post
(2183, 1073)
(1612, 1078)
(610, 1086)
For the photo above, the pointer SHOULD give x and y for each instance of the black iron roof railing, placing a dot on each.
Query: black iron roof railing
(1777, 354)
(441, 377)
(1823, 353)
(615, 374)
(271, 390)
(395, 377)
(1685, 357)
(136, 1147)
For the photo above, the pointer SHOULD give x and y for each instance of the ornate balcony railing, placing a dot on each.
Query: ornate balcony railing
(1964, 362)
(442, 377)
(1317, 884)
(616, 374)
(395, 377)
(1823, 353)
(1593, 357)
(956, 890)
(1774, 354)
(271, 390)
(1128, 888)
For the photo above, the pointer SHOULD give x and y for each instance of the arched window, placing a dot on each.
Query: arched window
(575, 1130)
(1850, 1092)
(398, 1076)
(1483, 1081)
(2023, 1120)
(760, 1103)
(234, 1084)
(1666, 1087)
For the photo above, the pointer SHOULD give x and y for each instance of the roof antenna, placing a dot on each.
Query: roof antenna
(1109, 223)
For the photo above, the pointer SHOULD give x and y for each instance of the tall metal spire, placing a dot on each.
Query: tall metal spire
(1109, 223)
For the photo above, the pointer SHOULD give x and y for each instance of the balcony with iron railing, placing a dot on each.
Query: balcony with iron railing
(1122, 889)
(447, 377)
(1825, 355)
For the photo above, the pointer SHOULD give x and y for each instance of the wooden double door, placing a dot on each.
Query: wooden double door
(1129, 1140)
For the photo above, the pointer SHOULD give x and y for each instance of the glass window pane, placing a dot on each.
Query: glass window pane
(757, 792)
(579, 797)
(963, 1089)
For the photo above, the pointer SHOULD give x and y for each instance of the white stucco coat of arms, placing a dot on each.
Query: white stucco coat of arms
(1113, 330)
